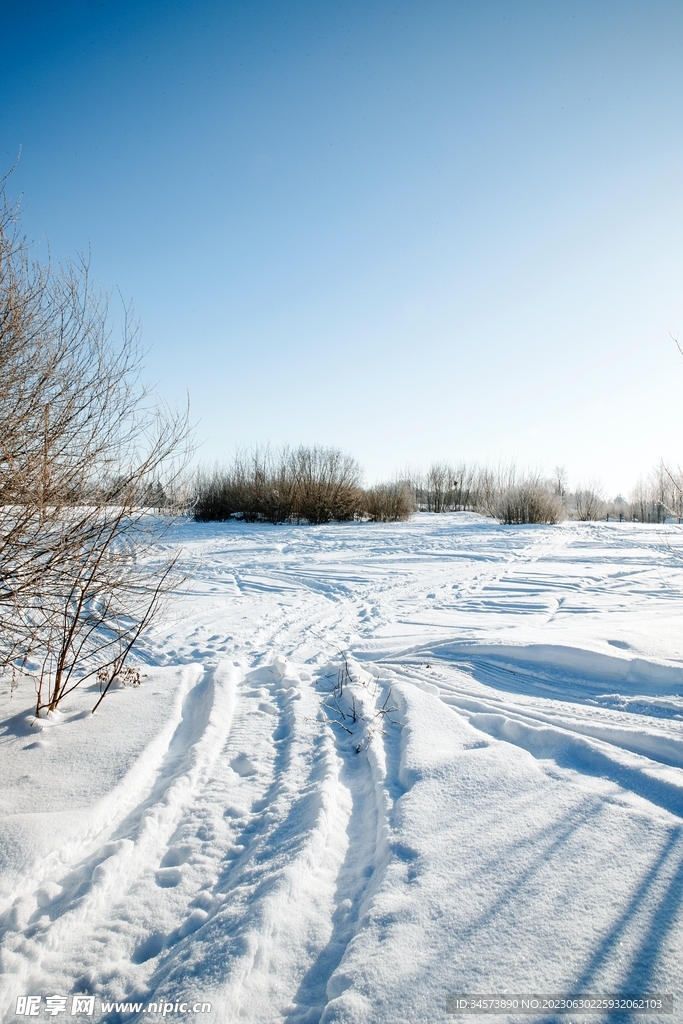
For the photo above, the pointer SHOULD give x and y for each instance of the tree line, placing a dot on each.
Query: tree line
(320, 485)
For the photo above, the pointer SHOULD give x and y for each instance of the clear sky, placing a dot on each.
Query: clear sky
(422, 230)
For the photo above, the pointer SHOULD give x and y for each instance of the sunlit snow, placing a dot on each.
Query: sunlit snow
(369, 767)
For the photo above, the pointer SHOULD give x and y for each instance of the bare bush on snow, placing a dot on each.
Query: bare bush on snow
(85, 449)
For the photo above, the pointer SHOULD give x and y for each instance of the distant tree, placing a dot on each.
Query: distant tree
(561, 481)
(529, 500)
(389, 503)
(589, 502)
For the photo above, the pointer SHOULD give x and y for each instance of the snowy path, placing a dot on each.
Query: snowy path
(493, 802)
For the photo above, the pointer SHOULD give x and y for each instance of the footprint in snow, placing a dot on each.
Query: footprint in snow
(149, 948)
(243, 765)
(203, 900)
(168, 878)
(268, 709)
(192, 923)
(175, 856)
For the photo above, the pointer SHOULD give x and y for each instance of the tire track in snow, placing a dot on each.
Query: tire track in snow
(58, 936)
(267, 902)
(316, 834)
(364, 773)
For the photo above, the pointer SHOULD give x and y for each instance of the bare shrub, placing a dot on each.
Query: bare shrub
(467, 488)
(82, 443)
(389, 503)
(490, 486)
(531, 500)
(326, 485)
(589, 503)
(439, 489)
(97, 604)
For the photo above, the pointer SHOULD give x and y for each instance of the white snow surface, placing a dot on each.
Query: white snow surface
(492, 804)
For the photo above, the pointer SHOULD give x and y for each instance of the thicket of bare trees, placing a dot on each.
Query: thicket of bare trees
(657, 498)
(529, 497)
(504, 493)
(389, 503)
(304, 484)
(86, 452)
(446, 488)
(315, 485)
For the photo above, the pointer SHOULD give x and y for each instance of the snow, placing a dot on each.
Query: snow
(368, 767)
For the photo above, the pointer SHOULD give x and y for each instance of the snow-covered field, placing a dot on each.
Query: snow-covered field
(485, 797)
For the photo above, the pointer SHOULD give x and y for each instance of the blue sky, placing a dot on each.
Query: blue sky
(417, 231)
